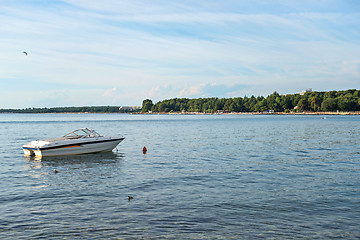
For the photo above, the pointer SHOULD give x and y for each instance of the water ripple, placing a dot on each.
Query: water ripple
(203, 177)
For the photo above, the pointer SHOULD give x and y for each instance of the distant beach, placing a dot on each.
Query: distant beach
(252, 113)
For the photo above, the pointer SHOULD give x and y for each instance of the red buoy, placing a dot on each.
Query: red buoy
(144, 150)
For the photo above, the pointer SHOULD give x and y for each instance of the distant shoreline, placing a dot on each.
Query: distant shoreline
(251, 113)
(197, 113)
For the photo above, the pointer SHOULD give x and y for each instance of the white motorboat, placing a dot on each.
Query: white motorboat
(80, 141)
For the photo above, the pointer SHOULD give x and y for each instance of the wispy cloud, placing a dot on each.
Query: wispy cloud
(164, 49)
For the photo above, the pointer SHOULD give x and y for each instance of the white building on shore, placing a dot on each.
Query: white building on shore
(129, 108)
(306, 91)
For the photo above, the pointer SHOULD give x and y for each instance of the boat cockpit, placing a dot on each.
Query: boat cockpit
(82, 133)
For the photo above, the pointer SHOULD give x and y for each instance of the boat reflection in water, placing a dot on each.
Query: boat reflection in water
(82, 172)
(95, 158)
(80, 141)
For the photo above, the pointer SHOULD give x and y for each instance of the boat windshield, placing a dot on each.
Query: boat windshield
(82, 133)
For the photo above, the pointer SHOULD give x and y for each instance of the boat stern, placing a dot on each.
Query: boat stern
(33, 148)
(28, 152)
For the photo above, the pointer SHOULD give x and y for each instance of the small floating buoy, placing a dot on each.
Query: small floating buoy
(56, 171)
(144, 150)
(130, 197)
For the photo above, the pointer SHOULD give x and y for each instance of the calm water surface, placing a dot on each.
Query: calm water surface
(203, 177)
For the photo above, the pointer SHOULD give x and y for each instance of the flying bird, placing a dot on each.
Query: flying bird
(25, 53)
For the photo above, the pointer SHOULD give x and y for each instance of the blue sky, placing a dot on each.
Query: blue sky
(116, 52)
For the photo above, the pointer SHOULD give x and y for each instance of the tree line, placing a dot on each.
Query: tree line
(85, 109)
(330, 101)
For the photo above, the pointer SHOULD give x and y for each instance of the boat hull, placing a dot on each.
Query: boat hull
(73, 148)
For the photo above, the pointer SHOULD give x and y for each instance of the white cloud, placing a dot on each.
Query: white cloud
(191, 91)
(138, 49)
(110, 93)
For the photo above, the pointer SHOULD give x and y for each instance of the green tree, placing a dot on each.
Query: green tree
(315, 102)
(287, 102)
(329, 105)
(239, 104)
(348, 100)
(261, 106)
(303, 105)
(219, 104)
(347, 103)
(147, 105)
(251, 103)
(229, 105)
(274, 102)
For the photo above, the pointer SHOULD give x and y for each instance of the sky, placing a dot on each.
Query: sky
(120, 52)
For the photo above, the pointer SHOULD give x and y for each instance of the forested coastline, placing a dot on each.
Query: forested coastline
(311, 102)
(85, 109)
(332, 101)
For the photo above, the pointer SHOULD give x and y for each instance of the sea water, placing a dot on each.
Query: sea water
(203, 177)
